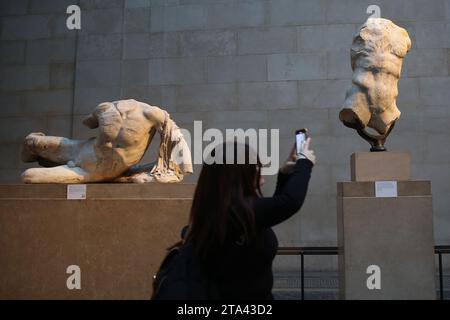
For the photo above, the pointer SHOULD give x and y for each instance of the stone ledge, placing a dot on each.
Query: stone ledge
(117, 243)
(376, 166)
(367, 189)
(99, 191)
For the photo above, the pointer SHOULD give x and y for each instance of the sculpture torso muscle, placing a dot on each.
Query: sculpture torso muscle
(125, 134)
(377, 54)
(126, 129)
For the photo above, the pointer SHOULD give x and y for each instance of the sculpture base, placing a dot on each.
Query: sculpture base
(377, 149)
(117, 236)
(379, 166)
(394, 234)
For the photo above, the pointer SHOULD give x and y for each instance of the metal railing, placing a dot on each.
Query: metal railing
(332, 251)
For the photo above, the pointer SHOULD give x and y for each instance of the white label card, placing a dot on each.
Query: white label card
(386, 189)
(76, 191)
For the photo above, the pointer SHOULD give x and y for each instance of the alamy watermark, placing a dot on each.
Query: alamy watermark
(373, 282)
(264, 143)
(73, 282)
(374, 10)
(74, 20)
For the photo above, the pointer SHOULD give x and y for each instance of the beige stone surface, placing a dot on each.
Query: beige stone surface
(377, 53)
(99, 190)
(376, 166)
(395, 234)
(367, 189)
(117, 242)
(126, 129)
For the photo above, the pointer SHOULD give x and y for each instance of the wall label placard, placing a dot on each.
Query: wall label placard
(386, 189)
(76, 191)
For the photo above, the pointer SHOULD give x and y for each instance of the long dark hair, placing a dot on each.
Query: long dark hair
(221, 203)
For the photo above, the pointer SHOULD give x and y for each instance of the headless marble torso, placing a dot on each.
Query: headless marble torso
(377, 54)
(126, 129)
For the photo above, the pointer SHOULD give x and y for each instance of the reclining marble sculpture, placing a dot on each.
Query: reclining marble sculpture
(126, 129)
(377, 53)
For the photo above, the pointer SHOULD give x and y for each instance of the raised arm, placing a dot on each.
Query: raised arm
(270, 211)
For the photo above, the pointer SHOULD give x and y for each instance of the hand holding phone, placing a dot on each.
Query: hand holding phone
(300, 150)
(302, 141)
(300, 138)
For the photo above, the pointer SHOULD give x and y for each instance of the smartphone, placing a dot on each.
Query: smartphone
(300, 137)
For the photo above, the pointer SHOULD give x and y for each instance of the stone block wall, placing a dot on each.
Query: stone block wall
(281, 64)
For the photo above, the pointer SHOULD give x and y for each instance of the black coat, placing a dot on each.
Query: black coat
(244, 271)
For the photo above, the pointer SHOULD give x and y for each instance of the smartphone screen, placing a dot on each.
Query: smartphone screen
(300, 138)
